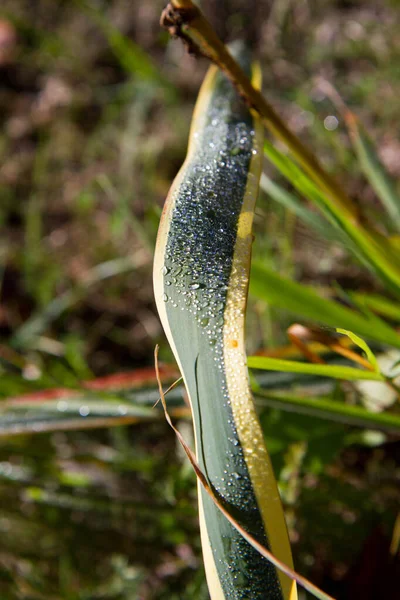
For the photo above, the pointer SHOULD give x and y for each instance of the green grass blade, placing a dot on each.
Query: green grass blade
(331, 410)
(305, 302)
(26, 335)
(291, 366)
(373, 169)
(132, 58)
(363, 345)
(378, 304)
(295, 205)
(370, 248)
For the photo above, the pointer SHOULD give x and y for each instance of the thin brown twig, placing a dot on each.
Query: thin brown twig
(171, 387)
(299, 335)
(185, 20)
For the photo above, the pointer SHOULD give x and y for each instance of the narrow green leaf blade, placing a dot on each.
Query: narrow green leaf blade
(69, 412)
(33, 327)
(373, 169)
(370, 248)
(331, 410)
(201, 271)
(131, 56)
(363, 345)
(296, 205)
(291, 366)
(379, 304)
(305, 302)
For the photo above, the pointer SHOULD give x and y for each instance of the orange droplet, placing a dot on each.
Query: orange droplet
(8, 42)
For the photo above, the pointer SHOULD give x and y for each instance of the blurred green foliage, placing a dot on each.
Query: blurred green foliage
(95, 111)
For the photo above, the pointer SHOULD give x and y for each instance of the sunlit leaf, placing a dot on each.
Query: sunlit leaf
(374, 170)
(297, 206)
(337, 372)
(331, 410)
(303, 301)
(370, 248)
(379, 304)
(363, 345)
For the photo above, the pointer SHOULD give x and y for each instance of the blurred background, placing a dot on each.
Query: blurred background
(95, 109)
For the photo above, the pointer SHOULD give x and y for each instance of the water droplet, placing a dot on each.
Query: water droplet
(194, 286)
(62, 405)
(84, 410)
(331, 123)
(31, 372)
(165, 297)
(165, 270)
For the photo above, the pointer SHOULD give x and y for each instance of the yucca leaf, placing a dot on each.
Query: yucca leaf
(224, 510)
(201, 276)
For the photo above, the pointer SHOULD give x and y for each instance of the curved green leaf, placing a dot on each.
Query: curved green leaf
(201, 275)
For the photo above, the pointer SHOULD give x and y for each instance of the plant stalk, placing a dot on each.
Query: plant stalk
(185, 20)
